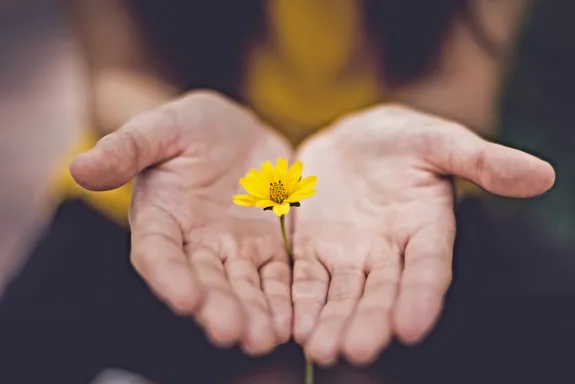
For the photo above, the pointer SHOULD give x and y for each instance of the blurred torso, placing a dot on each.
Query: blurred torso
(315, 64)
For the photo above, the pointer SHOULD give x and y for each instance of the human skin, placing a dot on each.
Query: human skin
(374, 246)
(372, 250)
(393, 189)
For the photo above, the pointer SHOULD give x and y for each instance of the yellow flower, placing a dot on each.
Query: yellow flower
(276, 188)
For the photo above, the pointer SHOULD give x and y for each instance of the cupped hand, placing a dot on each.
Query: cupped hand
(201, 254)
(374, 247)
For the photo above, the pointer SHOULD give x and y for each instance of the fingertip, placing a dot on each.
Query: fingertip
(111, 163)
(303, 326)
(179, 290)
(259, 345)
(283, 327)
(99, 172)
(222, 330)
(256, 349)
(185, 300)
(80, 169)
(361, 347)
(358, 356)
(415, 315)
(513, 173)
(224, 336)
(323, 354)
(260, 336)
(323, 347)
(221, 339)
(548, 176)
(539, 177)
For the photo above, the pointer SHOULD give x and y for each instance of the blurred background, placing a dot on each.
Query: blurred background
(43, 113)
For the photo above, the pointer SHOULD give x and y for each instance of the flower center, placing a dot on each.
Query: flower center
(278, 192)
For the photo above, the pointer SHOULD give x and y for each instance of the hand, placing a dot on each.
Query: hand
(374, 247)
(201, 254)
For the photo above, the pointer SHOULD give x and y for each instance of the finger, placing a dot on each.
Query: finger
(157, 254)
(345, 289)
(496, 168)
(142, 142)
(425, 280)
(309, 292)
(221, 314)
(369, 330)
(276, 284)
(259, 333)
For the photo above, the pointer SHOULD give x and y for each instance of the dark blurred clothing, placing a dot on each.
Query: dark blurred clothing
(78, 307)
(537, 115)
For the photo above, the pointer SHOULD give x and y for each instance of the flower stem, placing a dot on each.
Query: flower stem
(308, 371)
(308, 363)
(284, 234)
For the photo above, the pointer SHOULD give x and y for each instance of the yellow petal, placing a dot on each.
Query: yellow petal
(253, 179)
(281, 169)
(260, 176)
(300, 195)
(293, 175)
(281, 209)
(306, 182)
(265, 203)
(254, 187)
(269, 172)
(245, 200)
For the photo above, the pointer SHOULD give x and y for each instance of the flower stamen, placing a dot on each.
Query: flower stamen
(278, 192)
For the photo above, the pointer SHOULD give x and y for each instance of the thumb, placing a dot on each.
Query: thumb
(118, 157)
(498, 169)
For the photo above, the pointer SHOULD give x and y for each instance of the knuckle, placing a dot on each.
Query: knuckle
(342, 295)
(130, 144)
(169, 116)
(276, 272)
(207, 95)
(206, 99)
(308, 276)
(479, 163)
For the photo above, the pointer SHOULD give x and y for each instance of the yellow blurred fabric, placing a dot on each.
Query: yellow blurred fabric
(315, 65)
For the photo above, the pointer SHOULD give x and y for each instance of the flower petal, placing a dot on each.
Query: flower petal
(282, 169)
(300, 195)
(260, 176)
(269, 172)
(306, 182)
(245, 200)
(265, 203)
(281, 209)
(293, 175)
(254, 187)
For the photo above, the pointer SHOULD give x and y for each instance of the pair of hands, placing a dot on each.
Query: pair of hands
(373, 248)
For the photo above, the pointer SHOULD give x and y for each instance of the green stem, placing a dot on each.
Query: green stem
(308, 371)
(284, 234)
(308, 363)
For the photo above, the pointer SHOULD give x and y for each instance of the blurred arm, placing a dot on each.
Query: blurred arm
(468, 80)
(124, 79)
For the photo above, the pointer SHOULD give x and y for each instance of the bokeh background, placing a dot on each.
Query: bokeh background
(41, 107)
(42, 112)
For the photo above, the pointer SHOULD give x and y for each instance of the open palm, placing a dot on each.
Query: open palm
(374, 247)
(204, 256)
